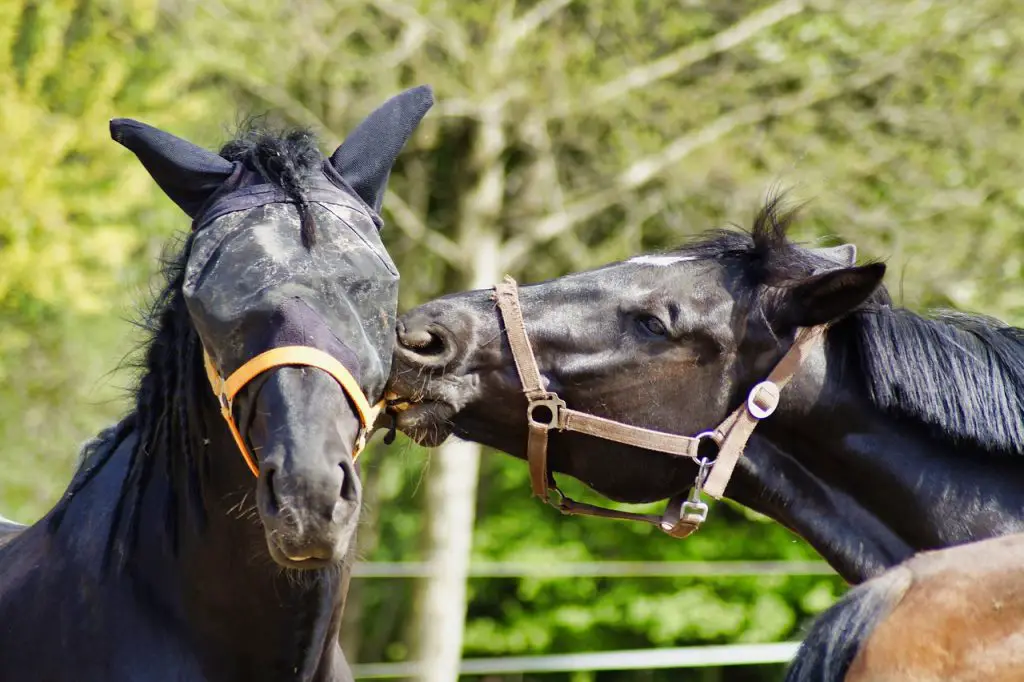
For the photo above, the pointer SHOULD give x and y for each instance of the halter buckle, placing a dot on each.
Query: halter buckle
(767, 392)
(693, 512)
(553, 404)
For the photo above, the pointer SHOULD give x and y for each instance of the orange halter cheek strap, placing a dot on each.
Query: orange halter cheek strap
(227, 389)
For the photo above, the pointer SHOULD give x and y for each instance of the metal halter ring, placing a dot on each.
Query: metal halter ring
(712, 436)
(552, 404)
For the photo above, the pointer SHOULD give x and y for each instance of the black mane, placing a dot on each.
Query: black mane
(960, 375)
(283, 158)
(168, 399)
(165, 420)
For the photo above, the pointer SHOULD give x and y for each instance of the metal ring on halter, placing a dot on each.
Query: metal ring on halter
(713, 436)
(553, 405)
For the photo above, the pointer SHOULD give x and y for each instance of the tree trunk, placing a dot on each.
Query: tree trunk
(450, 485)
(441, 604)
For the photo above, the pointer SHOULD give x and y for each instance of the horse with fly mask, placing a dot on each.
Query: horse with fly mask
(879, 433)
(166, 558)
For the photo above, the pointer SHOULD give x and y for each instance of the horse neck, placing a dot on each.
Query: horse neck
(278, 624)
(213, 576)
(867, 489)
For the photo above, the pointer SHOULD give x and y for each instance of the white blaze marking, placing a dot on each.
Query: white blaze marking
(660, 261)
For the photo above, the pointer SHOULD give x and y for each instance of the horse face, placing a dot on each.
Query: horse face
(251, 286)
(266, 271)
(668, 342)
(631, 341)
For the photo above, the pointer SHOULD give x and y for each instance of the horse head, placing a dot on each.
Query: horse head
(293, 298)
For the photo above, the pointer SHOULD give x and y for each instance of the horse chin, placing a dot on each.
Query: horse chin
(298, 560)
(428, 422)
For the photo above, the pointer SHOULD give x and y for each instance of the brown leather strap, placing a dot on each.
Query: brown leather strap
(682, 515)
(675, 520)
(546, 411)
(599, 427)
(537, 458)
(515, 330)
(761, 403)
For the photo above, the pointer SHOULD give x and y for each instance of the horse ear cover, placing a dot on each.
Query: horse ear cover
(187, 173)
(366, 156)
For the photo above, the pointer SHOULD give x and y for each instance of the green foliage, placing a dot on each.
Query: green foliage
(80, 224)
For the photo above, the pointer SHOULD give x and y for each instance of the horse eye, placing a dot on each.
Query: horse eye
(652, 325)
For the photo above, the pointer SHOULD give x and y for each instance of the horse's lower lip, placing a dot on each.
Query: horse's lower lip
(426, 421)
(298, 558)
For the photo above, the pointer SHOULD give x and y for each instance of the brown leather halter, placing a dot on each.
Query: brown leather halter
(546, 411)
(227, 389)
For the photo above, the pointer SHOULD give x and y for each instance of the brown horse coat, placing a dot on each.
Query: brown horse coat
(958, 617)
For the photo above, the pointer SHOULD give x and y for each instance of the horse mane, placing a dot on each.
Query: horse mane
(165, 420)
(283, 158)
(167, 415)
(960, 375)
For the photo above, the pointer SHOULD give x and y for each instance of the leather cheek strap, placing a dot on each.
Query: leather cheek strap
(305, 356)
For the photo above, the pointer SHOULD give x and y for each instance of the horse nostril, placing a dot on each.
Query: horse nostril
(273, 503)
(349, 490)
(424, 342)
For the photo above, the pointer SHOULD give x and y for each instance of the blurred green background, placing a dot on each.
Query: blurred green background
(566, 134)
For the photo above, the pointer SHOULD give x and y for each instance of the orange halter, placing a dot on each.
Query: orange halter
(227, 389)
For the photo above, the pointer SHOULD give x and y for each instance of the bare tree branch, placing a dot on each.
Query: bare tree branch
(451, 33)
(644, 170)
(509, 36)
(738, 33)
(406, 220)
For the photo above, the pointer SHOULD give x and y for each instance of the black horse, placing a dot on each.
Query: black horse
(897, 434)
(165, 559)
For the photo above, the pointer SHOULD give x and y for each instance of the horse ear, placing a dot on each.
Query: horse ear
(188, 174)
(828, 296)
(844, 254)
(366, 156)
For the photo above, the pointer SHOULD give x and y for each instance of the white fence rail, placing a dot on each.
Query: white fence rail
(646, 659)
(602, 569)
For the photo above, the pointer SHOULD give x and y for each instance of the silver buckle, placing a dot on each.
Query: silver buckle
(755, 410)
(694, 512)
(553, 405)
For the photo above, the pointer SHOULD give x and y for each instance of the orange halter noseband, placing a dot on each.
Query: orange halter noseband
(227, 389)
